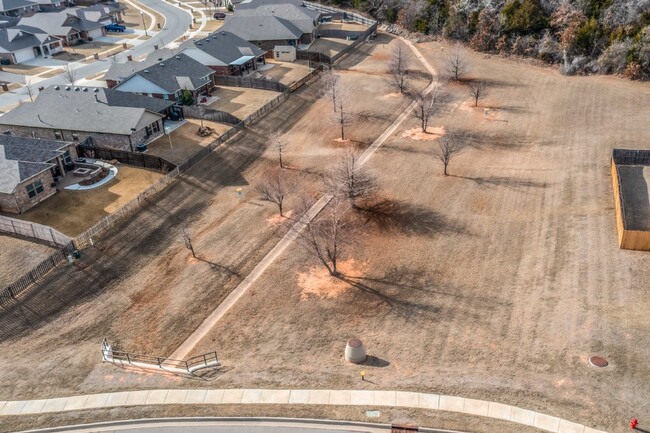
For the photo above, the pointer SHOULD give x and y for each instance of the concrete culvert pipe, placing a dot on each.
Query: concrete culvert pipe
(355, 351)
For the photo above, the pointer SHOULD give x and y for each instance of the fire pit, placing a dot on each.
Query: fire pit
(81, 172)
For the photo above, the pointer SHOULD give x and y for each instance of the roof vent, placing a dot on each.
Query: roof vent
(67, 87)
(85, 89)
(57, 88)
(223, 33)
(198, 43)
(162, 64)
(76, 89)
(146, 71)
(178, 57)
(96, 90)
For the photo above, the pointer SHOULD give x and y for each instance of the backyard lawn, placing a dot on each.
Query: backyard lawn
(72, 212)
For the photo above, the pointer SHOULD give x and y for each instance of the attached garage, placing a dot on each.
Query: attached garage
(97, 33)
(24, 54)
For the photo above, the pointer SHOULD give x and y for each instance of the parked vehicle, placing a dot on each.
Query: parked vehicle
(219, 16)
(115, 28)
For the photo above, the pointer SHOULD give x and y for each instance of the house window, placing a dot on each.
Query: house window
(67, 160)
(33, 189)
(165, 96)
(58, 135)
(155, 127)
(148, 131)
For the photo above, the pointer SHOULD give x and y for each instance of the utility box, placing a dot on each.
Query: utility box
(284, 53)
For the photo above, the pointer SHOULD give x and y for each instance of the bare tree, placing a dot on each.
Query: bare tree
(275, 188)
(342, 117)
(398, 68)
(479, 90)
(449, 145)
(456, 64)
(188, 241)
(279, 144)
(351, 181)
(427, 104)
(333, 88)
(69, 74)
(326, 236)
(29, 89)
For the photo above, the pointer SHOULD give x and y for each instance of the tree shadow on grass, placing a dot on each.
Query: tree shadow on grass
(406, 218)
(396, 303)
(508, 182)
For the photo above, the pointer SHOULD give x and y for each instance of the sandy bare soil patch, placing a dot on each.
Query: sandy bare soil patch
(18, 256)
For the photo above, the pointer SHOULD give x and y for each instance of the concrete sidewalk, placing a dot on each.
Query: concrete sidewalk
(370, 399)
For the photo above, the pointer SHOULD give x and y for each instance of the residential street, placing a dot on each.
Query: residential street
(176, 23)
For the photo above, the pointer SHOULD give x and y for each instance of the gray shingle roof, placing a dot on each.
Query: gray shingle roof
(59, 23)
(175, 73)
(252, 4)
(33, 143)
(224, 46)
(125, 99)
(9, 5)
(261, 28)
(86, 109)
(19, 37)
(14, 170)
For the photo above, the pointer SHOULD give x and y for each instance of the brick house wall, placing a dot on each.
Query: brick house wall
(19, 201)
(115, 141)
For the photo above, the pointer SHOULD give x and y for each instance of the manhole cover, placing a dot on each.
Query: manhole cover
(598, 361)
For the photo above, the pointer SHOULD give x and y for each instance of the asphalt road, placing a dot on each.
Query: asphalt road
(177, 22)
(180, 425)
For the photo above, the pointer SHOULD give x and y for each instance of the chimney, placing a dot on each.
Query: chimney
(129, 58)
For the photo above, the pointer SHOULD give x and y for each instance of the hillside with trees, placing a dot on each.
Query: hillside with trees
(582, 36)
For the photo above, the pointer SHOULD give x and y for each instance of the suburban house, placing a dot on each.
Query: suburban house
(22, 43)
(74, 114)
(29, 168)
(52, 5)
(167, 79)
(267, 24)
(18, 8)
(225, 53)
(104, 13)
(66, 26)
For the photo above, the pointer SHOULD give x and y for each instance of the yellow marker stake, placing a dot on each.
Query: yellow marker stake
(363, 375)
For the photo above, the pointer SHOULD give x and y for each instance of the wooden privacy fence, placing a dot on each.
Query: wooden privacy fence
(190, 365)
(628, 239)
(195, 112)
(32, 230)
(372, 29)
(136, 159)
(250, 82)
(11, 292)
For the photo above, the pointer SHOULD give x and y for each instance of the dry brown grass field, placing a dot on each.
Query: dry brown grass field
(496, 282)
(18, 256)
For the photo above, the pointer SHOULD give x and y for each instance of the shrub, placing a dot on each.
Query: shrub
(488, 31)
(587, 37)
(549, 49)
(523, 17)
(614, 59)
(186, 97)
